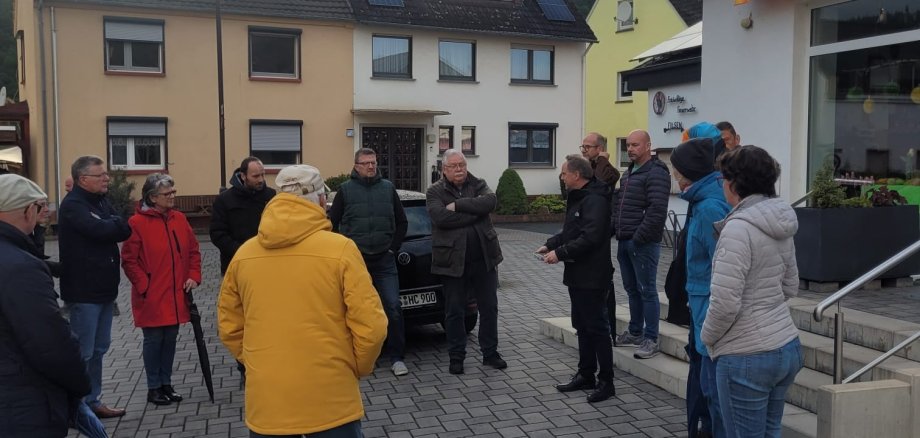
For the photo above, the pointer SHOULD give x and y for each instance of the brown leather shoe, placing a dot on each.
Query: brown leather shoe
(103, 411)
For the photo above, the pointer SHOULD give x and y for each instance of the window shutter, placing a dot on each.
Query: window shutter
(275, 137)
(121, 30)
(137, 129)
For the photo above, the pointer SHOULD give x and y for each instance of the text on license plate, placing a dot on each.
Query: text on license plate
(419, 299)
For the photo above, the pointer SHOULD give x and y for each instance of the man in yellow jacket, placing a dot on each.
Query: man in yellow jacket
(298, 309)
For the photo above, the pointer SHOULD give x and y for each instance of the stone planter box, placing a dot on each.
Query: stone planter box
(841, 244)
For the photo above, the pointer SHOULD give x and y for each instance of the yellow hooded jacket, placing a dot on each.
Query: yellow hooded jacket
(298, 308)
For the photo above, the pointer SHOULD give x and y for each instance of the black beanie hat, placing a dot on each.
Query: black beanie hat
(693, 158)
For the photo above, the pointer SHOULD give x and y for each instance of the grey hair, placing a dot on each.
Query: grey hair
(153, 184)
(601, 140)
(451, 152)
(577, 163)
(81, 166)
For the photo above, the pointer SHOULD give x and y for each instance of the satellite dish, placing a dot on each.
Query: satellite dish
(625, 12)
(2, 96)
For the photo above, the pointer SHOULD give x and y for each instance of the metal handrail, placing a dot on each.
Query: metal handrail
(865, 278)
(838, 317)
(802, 199)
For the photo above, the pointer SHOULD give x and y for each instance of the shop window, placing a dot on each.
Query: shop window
(862, 18)
(864, 108)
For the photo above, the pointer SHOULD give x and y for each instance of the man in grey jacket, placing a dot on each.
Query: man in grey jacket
(465, 253)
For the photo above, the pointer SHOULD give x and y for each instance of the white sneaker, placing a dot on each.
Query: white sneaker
(399, 368)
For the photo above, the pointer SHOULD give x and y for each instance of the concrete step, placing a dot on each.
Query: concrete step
(819, 356)
(670, 373)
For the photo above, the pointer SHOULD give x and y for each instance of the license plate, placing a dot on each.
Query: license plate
(418, 299)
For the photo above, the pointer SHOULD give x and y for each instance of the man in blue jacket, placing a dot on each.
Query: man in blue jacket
(701, 187)
(42, 374)
(640, 211)
(90, 231)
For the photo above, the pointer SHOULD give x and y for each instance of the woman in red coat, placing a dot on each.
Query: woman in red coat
(162, 261)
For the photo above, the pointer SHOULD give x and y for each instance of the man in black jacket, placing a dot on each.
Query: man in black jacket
(90, 272)
(465, 253)
(640, 211)
(367, 209)
(584, 247)
(42, 374)
(237, 211)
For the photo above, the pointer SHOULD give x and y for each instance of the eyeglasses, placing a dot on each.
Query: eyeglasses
(366, 163)
(585, 147)
(41, 205)
(99, 175)
(455, 166)
(167, 194)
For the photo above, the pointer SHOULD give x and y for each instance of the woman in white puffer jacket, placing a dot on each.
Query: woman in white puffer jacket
(748, 329)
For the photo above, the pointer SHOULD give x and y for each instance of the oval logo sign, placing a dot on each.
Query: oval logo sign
(658, 103)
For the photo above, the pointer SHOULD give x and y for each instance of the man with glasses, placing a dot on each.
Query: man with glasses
(90, 230)
(594, 148)
(465, 253)
(366, 209)
(42, 369)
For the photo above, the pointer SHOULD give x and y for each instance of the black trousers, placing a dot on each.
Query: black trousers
(483, 285)
(589, 318)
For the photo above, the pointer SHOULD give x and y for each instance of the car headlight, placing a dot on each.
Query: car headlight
(403, 258)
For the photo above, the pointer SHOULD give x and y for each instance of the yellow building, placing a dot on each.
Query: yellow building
(136, 82)
(626, 28)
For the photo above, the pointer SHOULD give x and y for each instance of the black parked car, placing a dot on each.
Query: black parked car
(421, 292)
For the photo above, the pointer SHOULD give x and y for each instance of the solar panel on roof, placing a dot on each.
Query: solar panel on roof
(556, 10)
(396, 3)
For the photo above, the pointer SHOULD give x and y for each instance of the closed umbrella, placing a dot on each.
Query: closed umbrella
(199, 342)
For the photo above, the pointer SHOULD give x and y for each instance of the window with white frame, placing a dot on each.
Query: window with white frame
(531, 64)
(624, 94)
(274, 53)
(137, 143)
(133, 45)
(624, 154)
(626, 15)
(276, 142)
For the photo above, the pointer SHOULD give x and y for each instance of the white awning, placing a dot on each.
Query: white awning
(687, 39)
(398, 112)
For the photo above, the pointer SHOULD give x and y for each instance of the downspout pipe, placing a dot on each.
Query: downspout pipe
(44, 100)
(57, 119)
(220, 102)
(584, 89)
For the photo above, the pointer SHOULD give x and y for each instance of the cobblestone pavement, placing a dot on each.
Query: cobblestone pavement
(518, 401)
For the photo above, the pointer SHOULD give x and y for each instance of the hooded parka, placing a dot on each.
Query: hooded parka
(161, 254)
(235, 217)
(298, 309)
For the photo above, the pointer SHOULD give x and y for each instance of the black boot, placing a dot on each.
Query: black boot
(578, 382)
(170, 393)
(604, 391)
(157, 397)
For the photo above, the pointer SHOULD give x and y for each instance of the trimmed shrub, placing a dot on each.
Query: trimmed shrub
(512, 199)
(547, 204)
(119, 195)
(334, 182)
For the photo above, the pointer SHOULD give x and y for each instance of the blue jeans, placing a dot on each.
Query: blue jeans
(92, 324)
(386, 280)
(698, 418)
(159, 353)
(752, 389)
(709, 387)
(87, 423)
(638, 268)
(347, 430)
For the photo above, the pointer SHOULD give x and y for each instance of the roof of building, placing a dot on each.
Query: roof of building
(305, 9)
(511, 17)
(691, 11)
(688, 38)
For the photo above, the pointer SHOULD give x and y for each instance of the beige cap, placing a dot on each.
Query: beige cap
(300, 179)
(17, 192)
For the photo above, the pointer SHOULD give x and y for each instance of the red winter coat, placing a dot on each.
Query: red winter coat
(160, 256)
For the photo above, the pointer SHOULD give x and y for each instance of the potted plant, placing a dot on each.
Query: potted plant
(840, 239)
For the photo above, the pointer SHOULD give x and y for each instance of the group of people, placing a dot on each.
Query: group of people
(319, 289)
(737, 266)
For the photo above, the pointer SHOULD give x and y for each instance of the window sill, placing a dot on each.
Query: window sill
(267, 79)
(625, 29)
(622, 101)
(135, 73)
(459, 81)
(470, 155)
(138, 172)
(531, 166)
(532, 84)
(388, 78)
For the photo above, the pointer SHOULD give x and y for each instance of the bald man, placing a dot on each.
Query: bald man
(640, 210)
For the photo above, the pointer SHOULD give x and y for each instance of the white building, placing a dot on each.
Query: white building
(501, 82)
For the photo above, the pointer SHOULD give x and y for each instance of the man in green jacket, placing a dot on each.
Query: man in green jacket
(465, 253)
(366, 209)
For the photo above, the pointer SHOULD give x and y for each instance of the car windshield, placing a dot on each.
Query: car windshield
(419, 222)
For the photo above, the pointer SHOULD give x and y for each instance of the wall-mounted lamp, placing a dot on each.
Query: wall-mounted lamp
(748, 22)
(349, 132)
